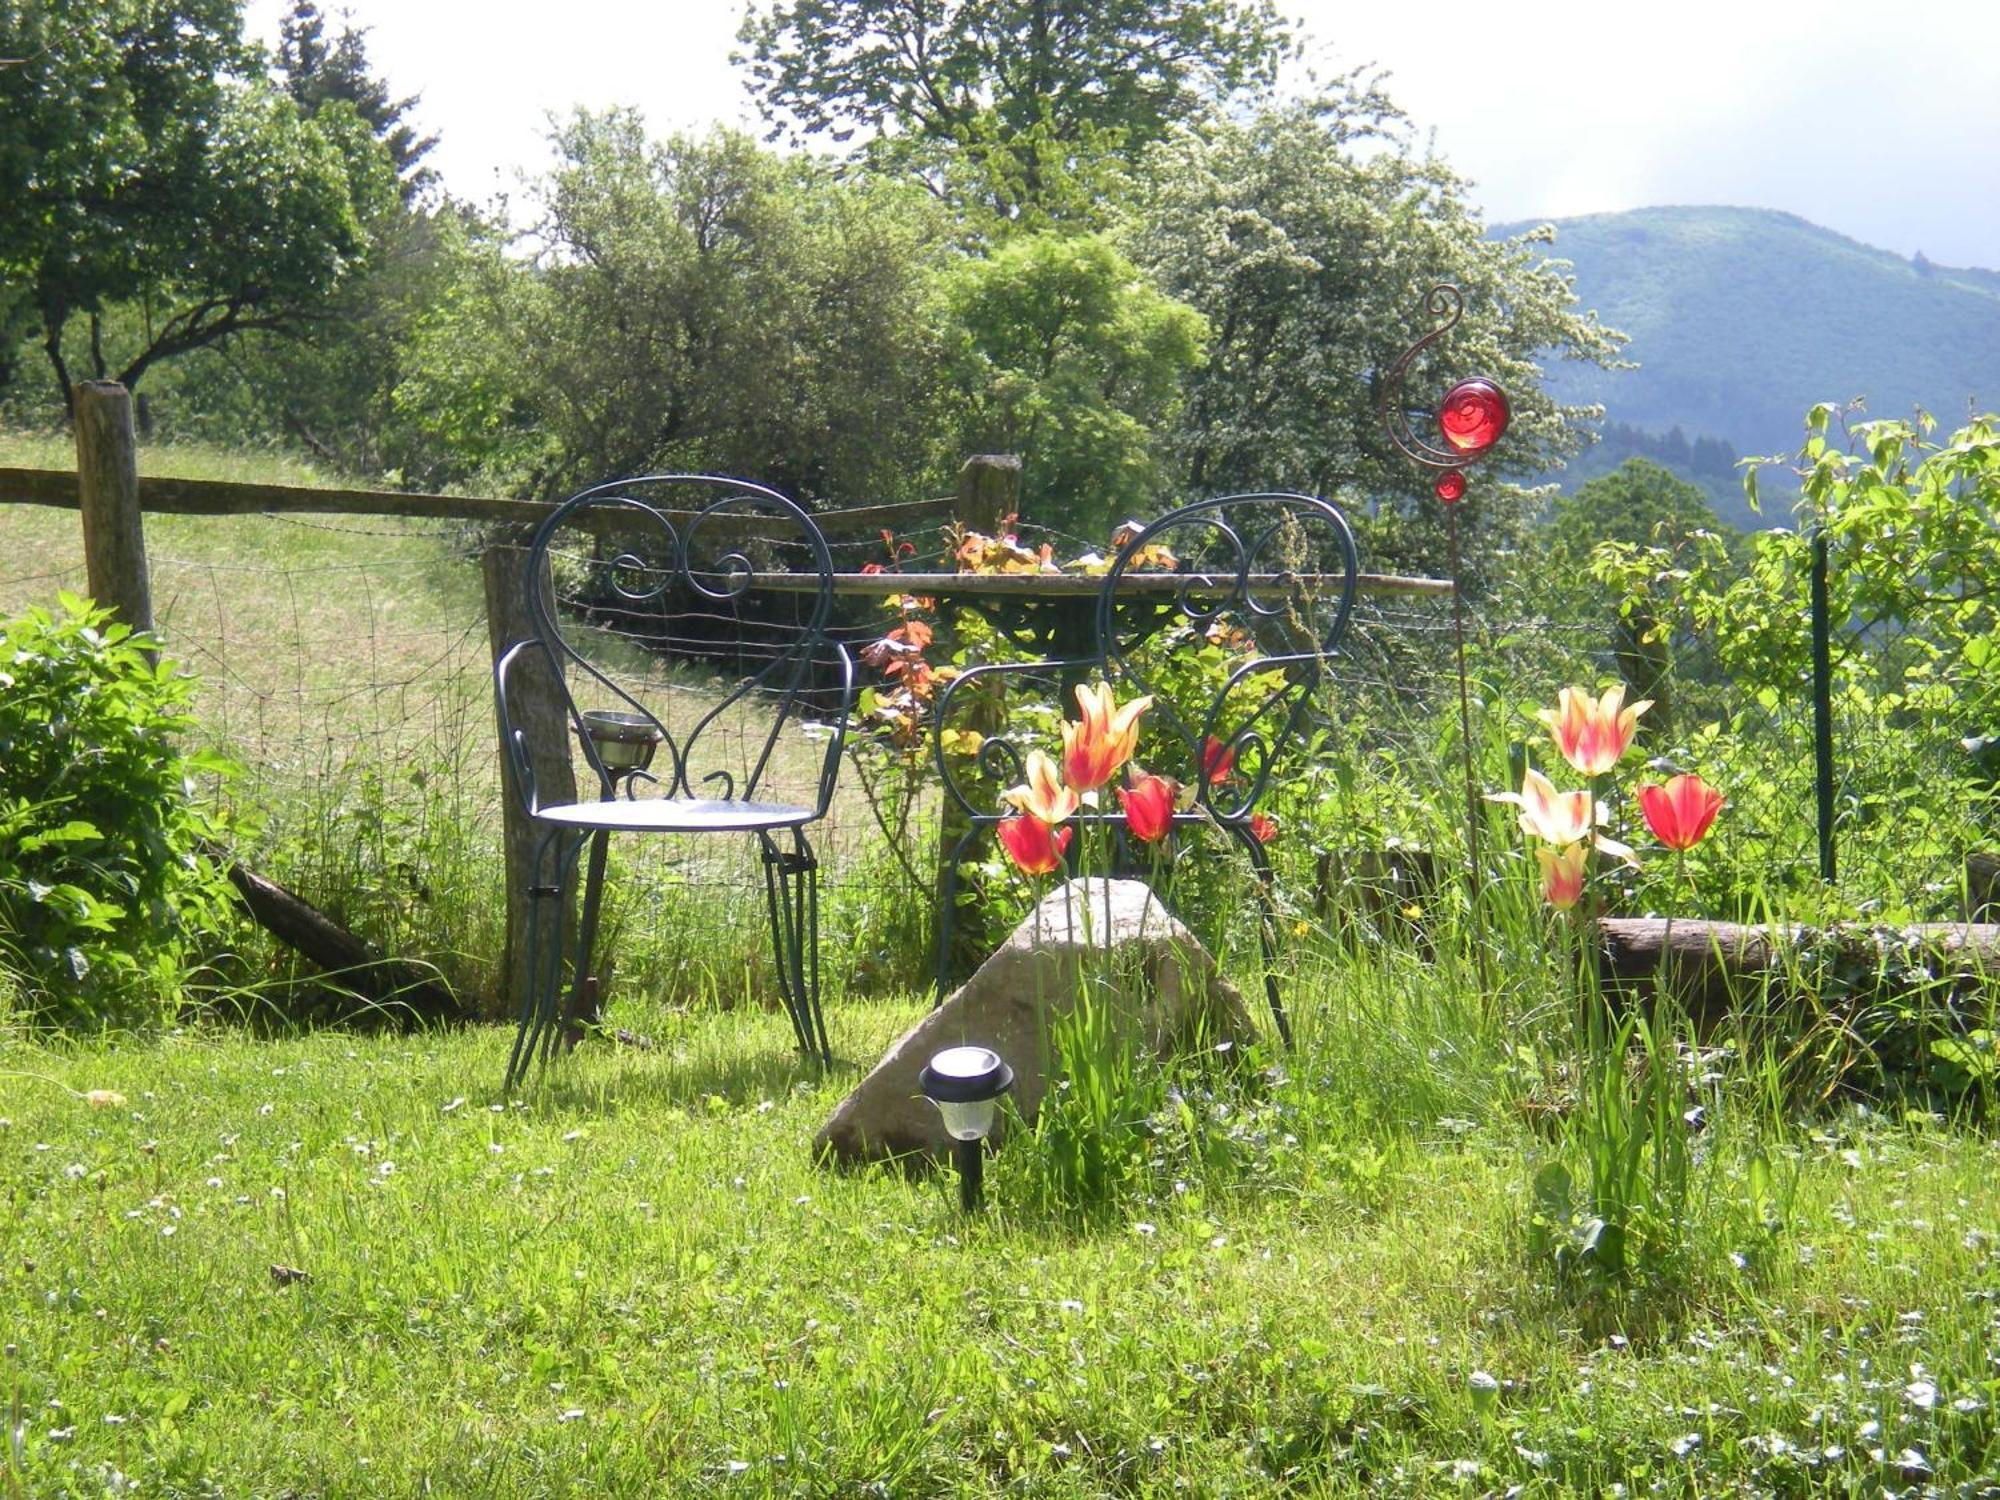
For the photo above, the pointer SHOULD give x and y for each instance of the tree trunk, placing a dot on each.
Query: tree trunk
(1708, 966)
(409, 992)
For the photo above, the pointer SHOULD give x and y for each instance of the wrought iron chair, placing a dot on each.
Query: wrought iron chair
(1256, 589)
(623, 579)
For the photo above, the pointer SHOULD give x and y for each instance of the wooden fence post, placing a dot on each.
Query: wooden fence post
(534, 698)
(107, 485)
(989, 490)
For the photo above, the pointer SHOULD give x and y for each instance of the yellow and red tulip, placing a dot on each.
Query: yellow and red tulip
(1103, 739)
(1560, 818)
(1149, 806)
(1035, 848)
(1552, 816)
(1263, 827)
(1681, 812)
(1593, 734)
(1044, 795)
(1562, 875)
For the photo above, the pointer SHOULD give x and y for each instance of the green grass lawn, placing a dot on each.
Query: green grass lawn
(633, 1280)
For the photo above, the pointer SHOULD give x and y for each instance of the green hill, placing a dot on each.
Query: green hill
(1741, 318)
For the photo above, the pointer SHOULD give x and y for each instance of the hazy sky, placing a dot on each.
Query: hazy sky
(1880, 121)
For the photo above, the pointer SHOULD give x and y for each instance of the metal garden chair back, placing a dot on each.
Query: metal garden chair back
(1226, 612)
(648, 592)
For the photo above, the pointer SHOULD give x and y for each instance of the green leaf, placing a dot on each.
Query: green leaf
(76, 831)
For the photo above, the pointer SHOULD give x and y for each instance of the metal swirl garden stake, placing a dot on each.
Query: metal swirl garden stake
(1470, 421)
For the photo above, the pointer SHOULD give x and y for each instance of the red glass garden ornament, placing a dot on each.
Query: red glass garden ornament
(1473, 416)
(1450, 486)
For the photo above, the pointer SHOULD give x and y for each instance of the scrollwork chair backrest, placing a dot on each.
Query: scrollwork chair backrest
(1226, 612)
(635, 580)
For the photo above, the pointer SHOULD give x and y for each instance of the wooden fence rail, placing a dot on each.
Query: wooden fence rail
(229, 497)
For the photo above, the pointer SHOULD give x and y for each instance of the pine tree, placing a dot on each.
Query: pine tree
(317, 72)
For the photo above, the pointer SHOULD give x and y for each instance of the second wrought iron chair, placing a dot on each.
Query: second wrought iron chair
(1226, 612)
(634, 585)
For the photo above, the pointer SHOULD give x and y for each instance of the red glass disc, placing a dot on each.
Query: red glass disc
(1450, 486)
(1472, 416)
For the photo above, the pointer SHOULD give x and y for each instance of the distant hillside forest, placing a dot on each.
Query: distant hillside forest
(1742, 318)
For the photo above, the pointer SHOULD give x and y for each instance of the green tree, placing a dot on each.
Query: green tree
(698, 303)
(931, 77)
(1649, 509)
(144, 159)
(328, 383)
(1307, 237)
(317, 72)
(1640, 502)
(1067, 354)
(1914, 585)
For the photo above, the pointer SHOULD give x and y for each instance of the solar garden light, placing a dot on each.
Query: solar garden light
(624, 742)
(965, 1083)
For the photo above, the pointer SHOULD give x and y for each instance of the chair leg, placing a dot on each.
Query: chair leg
(1267, 927)
(947, 917)
(555, 870)
(791, 888)
(585, 1003)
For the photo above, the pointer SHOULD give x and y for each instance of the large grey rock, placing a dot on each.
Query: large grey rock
(1114, 934)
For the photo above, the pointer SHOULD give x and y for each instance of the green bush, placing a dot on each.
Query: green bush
(104, 883)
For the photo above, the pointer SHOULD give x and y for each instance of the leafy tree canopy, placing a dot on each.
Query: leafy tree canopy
(1640, 502)
(1067, 354)
(317, 72)
(698, 303)
(986, 73)
(144, 158)
(1307, 237)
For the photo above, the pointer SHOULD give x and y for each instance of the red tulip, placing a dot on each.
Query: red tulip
(1217, 760)
(1035, 848)
(1263, 827)
(1680, 812)
(1149, 806)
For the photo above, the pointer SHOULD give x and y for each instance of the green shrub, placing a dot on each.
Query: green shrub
(104, 883)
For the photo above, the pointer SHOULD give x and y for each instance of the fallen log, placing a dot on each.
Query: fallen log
(1709, 966)
(402, 991)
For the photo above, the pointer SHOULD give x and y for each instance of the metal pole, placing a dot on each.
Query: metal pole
(1472, 808)
(1822, 701)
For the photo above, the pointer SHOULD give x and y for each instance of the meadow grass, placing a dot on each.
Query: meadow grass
(633, 1279)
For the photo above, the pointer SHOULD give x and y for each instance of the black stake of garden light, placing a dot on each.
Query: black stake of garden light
(965, 1083)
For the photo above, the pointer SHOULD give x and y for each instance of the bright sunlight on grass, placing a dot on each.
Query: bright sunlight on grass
(638, 1282)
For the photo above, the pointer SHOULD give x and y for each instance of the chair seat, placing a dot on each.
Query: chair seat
(677, 815)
